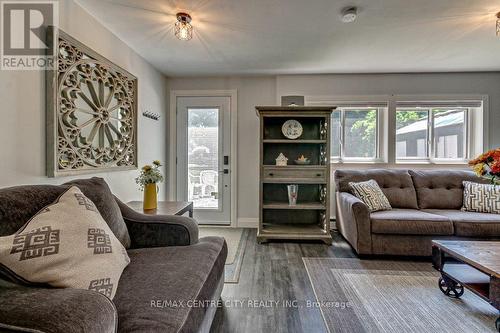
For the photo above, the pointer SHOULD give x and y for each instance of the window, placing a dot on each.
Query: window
(433, 133)
(412, 134)
(203, 157)
(450, 137)
(421, 129)
(355, 134)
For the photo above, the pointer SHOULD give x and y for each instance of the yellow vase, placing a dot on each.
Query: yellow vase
(150, 197)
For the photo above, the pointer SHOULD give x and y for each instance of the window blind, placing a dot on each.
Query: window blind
(439, 104)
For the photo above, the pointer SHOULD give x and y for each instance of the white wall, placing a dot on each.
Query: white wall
(401, 84)
(22, 96)
(254, 91)
(22, 93)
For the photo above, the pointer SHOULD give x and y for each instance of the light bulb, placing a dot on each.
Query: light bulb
(183, 27)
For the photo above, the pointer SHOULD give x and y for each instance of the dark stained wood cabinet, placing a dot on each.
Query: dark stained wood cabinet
(309, 219)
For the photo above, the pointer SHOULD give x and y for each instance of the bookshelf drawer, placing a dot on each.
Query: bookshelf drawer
(294, 174)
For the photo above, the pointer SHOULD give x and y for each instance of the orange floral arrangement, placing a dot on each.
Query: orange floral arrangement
(487, 165)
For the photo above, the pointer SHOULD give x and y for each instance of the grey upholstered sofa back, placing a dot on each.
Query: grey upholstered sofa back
(441, 189)
(18, 204)
(396, 184)
(424, 189)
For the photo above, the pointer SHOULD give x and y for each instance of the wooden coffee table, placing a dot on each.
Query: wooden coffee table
(474, 265)
(165, 208)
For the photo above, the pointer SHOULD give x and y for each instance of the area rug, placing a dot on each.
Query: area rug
(388, 296)
(236, 244)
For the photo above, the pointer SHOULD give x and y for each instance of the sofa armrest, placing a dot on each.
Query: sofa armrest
(353, 221)
(158, 230)
(26, 309)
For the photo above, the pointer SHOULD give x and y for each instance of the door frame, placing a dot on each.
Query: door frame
(172, 147)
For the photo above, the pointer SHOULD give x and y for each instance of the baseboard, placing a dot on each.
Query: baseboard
(333, 225)
(245, 222)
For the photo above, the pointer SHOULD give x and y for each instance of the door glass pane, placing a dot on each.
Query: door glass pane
(335, 136)
(203, 157)
(360, 133)
(411, 133)
(449, 133)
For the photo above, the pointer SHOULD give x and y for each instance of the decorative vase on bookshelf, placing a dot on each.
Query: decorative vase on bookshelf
(293, 192)
(302, 135)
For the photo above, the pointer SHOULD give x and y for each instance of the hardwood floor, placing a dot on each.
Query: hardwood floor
(274, 272)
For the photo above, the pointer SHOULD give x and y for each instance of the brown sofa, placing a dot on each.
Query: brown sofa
(426, 206)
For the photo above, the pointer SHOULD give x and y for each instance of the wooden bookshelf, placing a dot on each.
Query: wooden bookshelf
(309, 219)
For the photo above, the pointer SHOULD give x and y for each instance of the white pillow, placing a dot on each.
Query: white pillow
(68, 245)
(371, 194)
(482, 198)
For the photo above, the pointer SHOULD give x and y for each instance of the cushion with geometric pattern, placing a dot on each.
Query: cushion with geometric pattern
(370, 193)
(482, 198)
(67, 245)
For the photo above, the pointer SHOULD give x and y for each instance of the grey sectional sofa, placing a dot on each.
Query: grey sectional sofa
(426, 206)
(171, 275)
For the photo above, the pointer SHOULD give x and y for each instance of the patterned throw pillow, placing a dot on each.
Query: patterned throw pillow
(68, 245)
(483, 198)
(371, 194)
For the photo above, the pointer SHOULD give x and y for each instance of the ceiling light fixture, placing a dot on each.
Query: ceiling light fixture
(498, 24)
(349, 14)
(183, 27)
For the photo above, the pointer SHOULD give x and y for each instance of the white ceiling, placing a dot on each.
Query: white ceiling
(307, 36)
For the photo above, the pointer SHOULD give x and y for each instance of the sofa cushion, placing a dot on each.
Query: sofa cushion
(66, 245)
(97, 190)
(410, 222)
(471, 224)
(396, 184)
(155, 287)
(441, 189)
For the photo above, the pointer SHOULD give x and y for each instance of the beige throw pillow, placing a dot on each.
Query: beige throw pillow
(67, 244)
(482, 198)
(371, 194)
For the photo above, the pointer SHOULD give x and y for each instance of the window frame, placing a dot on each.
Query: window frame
(342, 158)
(477, 129)
(431, 138)
(413, 159)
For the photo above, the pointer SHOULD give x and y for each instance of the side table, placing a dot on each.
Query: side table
(165, 208)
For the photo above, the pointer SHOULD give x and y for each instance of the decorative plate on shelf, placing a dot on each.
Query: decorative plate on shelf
(292, 129)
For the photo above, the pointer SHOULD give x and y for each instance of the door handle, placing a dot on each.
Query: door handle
(225, 171)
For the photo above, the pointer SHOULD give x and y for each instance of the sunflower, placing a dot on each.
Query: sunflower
(480, 169)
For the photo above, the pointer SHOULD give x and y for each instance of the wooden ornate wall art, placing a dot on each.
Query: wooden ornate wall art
(91, 112)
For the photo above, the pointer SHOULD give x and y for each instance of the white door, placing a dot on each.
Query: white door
(203, 148)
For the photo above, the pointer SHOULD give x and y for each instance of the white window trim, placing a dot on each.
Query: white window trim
(378, 140)
(431, 140)
(379, 102)
(477, 124)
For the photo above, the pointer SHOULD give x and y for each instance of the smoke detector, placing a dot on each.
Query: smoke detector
(349, 14)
